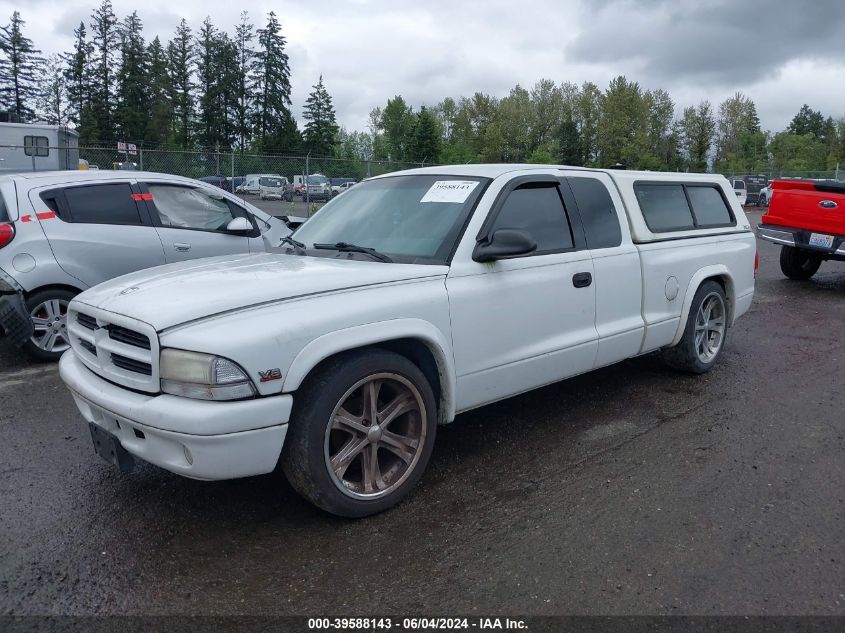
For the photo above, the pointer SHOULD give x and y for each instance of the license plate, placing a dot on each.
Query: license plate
(107, 446)
(819, 239)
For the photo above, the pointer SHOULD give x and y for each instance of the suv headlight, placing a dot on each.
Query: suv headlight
(203, 376)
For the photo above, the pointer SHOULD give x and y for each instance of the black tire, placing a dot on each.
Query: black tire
(306, 451)
(799, 264)
(686, 355)
(61, 295)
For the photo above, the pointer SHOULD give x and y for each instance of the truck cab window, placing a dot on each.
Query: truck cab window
(537, 209)
(598, 213)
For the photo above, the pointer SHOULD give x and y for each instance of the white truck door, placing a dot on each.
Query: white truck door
(616, 262)
(526, 321)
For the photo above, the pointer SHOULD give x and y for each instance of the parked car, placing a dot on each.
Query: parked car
(318, 188)
(63, 232)
(339, 189)
(251, 185)
(765, 196)
(754, 183)
(275, 188)
(413, 297)
(215, 181)
(740, 191)
(806, 218)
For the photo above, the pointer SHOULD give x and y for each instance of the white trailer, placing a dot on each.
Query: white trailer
(37, 147)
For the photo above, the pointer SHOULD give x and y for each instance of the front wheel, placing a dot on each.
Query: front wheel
(361, 433)
(705, 332)
(48, 311)
(799, 264)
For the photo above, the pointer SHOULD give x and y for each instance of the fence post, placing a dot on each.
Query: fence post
(305, 184)
(141, 155)
(232, 182)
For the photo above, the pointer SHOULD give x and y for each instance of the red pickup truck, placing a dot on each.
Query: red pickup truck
(807, 217)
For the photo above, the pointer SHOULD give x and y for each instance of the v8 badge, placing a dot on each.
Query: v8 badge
(270, 374)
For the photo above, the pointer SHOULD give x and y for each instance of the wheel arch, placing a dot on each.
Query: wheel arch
(67, 287)
(718, 273)
(417, 340)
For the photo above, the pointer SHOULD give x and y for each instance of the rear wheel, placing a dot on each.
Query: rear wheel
(799, 264)
(361, 433)
(705, 331)
(48, 312)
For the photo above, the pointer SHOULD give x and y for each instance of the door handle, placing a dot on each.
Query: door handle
(179, 246)
(582, 280)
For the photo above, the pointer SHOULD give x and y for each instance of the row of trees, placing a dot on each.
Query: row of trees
(216, 89)
(585, 125)
(206, 89)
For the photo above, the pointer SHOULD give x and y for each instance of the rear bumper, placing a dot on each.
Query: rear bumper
(15, 323)
(800, 238)
(194, 438)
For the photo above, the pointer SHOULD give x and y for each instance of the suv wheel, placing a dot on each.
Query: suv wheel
(48, 311)
(361, 433)
(799, 264)
(705, 331)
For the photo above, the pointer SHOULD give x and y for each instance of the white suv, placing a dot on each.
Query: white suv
(62, 232)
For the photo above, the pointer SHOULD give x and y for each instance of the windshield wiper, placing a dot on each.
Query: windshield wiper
(346, 247)
(298, 247)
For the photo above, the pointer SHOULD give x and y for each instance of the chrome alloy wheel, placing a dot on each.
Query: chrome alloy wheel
(375, 436)
(49, 319)
(710, 326)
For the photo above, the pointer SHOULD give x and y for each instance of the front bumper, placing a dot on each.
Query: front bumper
(800, 238)
(194, 438)
(14, 318)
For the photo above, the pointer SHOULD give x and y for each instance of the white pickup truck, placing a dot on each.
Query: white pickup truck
(413, 297)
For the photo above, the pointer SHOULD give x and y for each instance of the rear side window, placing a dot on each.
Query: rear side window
(538, 210)
(4, 212)
(665, 207)
(598, 213)
(102, 204)
(709, 207)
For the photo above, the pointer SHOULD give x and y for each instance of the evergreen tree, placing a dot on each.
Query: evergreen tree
(106, 41)
(76, 75)
(132, 109)
(622, 134)
(275, 128)
(159, 128)
(807, 121)
(180, 58)
(18, 70)
(244, 34)
(210, 115)
(321, 128)
(51, 103)
(425, 147)
(740, 145)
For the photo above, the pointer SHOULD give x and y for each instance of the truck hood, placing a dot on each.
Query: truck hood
(174, 294)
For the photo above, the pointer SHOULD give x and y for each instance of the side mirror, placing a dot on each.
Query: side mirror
(504, 243)
(239, 226)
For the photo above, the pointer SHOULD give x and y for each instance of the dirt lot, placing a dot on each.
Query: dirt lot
(632, 490)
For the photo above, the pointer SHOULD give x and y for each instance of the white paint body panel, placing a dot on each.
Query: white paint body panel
(494, 329)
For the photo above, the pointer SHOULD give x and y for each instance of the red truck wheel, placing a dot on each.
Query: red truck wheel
(799, 264)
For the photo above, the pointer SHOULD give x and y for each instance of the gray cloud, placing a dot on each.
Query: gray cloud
(725, 43)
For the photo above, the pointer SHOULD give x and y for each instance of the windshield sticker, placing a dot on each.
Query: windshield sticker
(450, 191)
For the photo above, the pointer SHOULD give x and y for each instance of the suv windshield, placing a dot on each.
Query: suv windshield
(408, 218)
(271, 182)
(317, 180)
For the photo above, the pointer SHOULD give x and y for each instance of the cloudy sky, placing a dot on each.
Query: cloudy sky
(781, 54)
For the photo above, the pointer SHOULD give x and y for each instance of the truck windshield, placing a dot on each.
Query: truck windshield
(409, 218)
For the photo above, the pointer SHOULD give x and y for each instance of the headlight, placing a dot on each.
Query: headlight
(203, 376)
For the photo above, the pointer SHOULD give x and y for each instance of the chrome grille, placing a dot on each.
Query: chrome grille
(118, 348)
